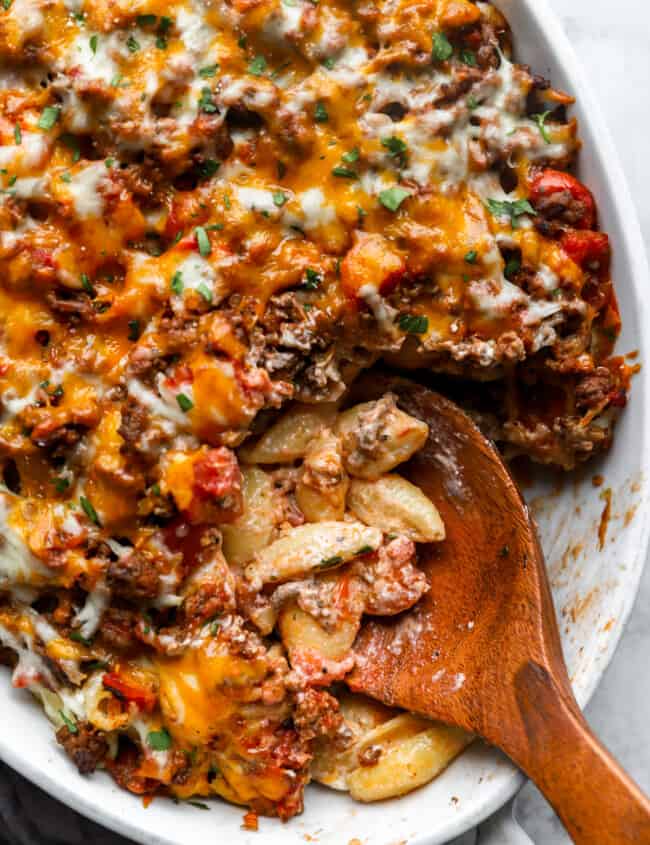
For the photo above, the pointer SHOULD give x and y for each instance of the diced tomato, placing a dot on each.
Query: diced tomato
(181, 375)
(217, 474)
(142, 697)
(586, 248)
(373, 263)
(550, 182)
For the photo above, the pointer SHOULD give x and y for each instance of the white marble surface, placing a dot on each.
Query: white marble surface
(612, 41)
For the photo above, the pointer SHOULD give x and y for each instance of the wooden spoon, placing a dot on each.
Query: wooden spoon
(482, 650)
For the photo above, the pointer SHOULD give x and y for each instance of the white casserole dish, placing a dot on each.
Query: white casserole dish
(594, 587)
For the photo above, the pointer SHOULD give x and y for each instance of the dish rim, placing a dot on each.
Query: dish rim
(632, 245)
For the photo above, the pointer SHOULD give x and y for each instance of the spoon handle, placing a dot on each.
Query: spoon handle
(597, 801)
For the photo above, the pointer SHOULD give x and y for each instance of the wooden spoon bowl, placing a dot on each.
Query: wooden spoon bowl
(482, 650)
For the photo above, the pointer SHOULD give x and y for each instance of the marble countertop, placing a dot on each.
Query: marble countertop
(613, 49)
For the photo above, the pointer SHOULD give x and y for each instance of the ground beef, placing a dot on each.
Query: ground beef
(560, 207)
(133, 577)
(86, 747)
(71, 308)
(593, 390)
(134, 421)
(318, 714)
(117, 628)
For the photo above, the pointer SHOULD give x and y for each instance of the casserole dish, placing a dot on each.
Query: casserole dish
(584, 567)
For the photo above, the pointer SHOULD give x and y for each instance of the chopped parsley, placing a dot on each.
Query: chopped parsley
(471, 256)
(472, 102)
(6, 4)
(134, 329)
(208, 168)
(146, 20)
(93, 44)
(203, 241)
(329, 62)
(312, 279)
(49, 117)
(392, 198)
(199, 805)
(205, 292)
(320, 113)
(159, 740)
(441, 48)
(65, 177)
(177, 283)
(72, 144)
(78, 637)
(208, 71)
(87, 285)
(510, 208)
(344, 172)
(132, 44)
(413, 323)
(468, 57)
(184, 402)
(351, 157)
(116, 80)
(70, 725)
(18, 135)
(257, 66)
(89, 510)
(330, 561)
(364, 550)
(206, 103)
(109, 162)
(395, 146)
(540, 120)
(513, 266)
(279, 198)
(61, 484)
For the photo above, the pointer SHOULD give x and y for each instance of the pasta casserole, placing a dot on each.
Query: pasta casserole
(214, 214)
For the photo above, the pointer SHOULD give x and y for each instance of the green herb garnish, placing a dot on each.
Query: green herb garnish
(413, 323)
(206, 103)
(89, 510)
(257, 66)
(510, 208)
(203, 241)
(320, 113)
(49, 117)
(70, 725)
(392, 198)
(344, 172)
(208, 71)
(87, 285)
(159, 740)
(184, 402)
(540, 120)
(441, 49)
(351, 157)
(312, 279)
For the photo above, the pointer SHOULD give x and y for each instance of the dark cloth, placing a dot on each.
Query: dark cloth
(28, 816)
